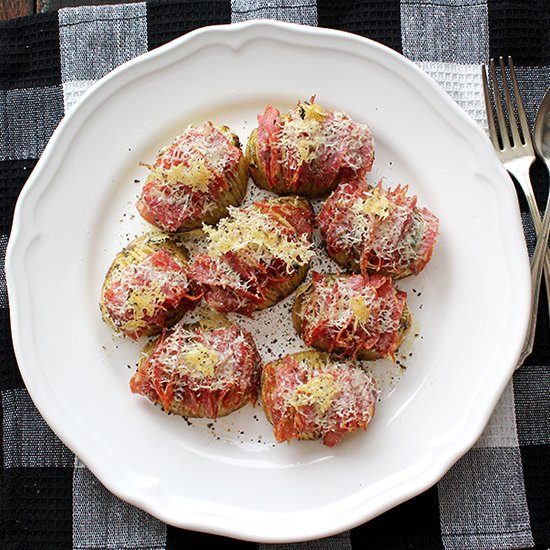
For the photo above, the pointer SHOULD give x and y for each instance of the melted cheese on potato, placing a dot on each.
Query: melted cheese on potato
(201, 360)
(319, 390)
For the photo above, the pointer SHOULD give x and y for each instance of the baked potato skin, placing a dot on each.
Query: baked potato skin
(306, 291)
(136, 251)
(254, 165)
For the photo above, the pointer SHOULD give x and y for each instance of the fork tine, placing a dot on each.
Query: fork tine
(489, 108)
(525, 131)
(516, 138)
(503, 130)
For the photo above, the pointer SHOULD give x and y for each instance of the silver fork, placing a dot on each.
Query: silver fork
(512, 144)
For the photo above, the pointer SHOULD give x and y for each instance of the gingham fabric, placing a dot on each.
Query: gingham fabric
(496, 496)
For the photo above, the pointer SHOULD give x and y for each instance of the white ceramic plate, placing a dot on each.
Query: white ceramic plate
(76, 212)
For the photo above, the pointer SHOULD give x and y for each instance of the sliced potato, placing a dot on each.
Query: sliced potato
(308, 150)
(142, 309)
(205, 370)
(312, 395)
(182, 212)
(243, 235)
(307, 292)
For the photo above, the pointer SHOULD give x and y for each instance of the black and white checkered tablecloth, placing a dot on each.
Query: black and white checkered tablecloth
(496, 496)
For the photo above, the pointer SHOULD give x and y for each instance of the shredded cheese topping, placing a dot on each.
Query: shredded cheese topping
(376, 204)
(195, 175)
(309, 134)
(326, 395)
(199, 360)
(381, 223)
(340, 303)
(141, 292)
(188, 176)
(301, 138)
(196, 146)
(352, 314)
(360, 309)
(252, 232)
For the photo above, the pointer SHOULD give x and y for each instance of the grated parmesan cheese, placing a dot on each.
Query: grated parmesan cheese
(376, 204)
(309, 134)
(250, 231)
(383, 225)
(194, 175)
(327, 395)
(140, 292)
(351, 312)
(360, 309)
(201, 360)
(197, 360)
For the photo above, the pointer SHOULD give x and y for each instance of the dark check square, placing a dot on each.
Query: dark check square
(378, 20)
(13, 175)
(168, 20)
(10, 377)
(413, 524)
(520, 29)
(29, 52)
(37, 510)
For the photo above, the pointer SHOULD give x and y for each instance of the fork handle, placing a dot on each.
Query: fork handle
(537, 223)
(541, 253)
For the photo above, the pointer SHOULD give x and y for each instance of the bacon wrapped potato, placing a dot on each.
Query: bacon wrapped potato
(147, 288)
(308, 151)
(351, 315)
(377, 230)
(200, 371)
(310, 395)
(195, 179)
(256, 256)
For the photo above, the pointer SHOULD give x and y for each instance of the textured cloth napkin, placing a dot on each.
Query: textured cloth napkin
(496, 496)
